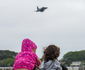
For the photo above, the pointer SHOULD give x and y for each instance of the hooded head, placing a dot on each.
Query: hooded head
(28, 45)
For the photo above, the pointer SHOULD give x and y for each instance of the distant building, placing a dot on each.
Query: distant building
(76, 64)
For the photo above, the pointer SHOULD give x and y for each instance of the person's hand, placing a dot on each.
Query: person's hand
(39, 62)
(37, 66)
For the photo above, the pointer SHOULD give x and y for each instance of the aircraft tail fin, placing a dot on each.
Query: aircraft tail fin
(37, 8)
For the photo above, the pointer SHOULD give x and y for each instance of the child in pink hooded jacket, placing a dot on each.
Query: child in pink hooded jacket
(26, 59)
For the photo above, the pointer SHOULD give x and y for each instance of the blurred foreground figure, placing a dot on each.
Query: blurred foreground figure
(50, 56)
(27, 58)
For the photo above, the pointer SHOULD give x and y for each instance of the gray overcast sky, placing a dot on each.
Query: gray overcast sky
(62, 24)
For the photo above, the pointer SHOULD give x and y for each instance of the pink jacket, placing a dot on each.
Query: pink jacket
(26, 58)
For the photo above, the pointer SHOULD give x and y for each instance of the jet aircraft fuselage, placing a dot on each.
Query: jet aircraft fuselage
(41, 9)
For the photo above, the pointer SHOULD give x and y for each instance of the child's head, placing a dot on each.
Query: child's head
(51, 53)
(28, 45)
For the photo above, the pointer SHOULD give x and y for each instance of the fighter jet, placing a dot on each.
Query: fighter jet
(41, 9)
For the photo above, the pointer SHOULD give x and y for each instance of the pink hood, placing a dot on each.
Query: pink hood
(28, 45)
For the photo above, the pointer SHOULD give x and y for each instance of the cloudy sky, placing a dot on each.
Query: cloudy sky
(62, 24)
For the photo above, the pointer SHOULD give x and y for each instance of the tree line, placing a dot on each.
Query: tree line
(71, 56)
(7, 57)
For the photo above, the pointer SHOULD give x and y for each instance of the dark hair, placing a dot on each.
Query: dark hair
(63, 67)
(51, 53)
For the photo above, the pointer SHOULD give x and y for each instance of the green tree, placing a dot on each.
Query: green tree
(7, 58)
(74, 56)
(4, 54)
(7, 62)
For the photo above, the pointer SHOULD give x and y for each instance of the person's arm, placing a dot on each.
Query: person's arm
(39, 63)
